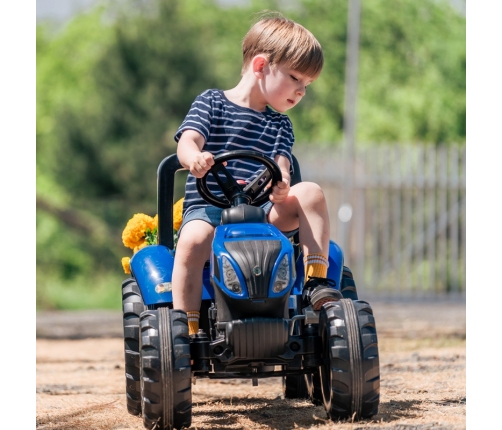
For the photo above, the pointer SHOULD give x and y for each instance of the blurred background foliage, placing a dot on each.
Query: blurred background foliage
(115, 82)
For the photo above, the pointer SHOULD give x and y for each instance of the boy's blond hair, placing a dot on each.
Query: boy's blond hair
(284, 42)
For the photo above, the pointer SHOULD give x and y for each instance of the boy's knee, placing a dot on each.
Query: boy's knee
(310, 191)
(196, 233)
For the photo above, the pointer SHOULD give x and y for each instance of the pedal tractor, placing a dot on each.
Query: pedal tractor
(252, 321)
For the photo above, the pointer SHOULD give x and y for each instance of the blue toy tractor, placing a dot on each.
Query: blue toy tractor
(254, 323)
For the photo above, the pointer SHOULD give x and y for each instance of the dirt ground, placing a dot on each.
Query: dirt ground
(80, 382)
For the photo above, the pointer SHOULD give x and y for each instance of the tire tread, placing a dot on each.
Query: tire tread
(132, 306)
(166, 369)
(352, 386)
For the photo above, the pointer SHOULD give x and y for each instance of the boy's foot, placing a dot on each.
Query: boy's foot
(318, 291)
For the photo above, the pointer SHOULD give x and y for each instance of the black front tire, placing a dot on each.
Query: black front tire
(132, 306)
(166, 375)
(350, 373)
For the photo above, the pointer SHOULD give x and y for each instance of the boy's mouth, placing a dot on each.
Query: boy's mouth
(291, 101)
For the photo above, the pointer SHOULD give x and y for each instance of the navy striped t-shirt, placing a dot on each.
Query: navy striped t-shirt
(228, 127)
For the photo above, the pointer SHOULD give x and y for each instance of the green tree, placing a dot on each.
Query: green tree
(114, 84)
(412, 72)
(106, 117)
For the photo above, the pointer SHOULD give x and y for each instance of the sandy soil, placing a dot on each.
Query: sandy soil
(80, 382)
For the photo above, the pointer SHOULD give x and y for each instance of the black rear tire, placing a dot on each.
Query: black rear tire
(204, 319)
(350, 373)
(166, 375)
(294, 387)
(132, 306)
(314, 389)
(348, 285)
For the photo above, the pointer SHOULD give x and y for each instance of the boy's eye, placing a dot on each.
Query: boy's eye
(294, 79)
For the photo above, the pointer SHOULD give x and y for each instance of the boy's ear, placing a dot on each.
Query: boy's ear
(258, 64)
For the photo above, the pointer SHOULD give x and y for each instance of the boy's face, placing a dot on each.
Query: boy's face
(283, 87)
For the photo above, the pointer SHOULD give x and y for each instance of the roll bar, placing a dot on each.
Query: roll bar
(165, 196)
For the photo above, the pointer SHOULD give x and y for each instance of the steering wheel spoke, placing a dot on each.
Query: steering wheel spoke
(225, 180)
(255, 188)
(254, 193)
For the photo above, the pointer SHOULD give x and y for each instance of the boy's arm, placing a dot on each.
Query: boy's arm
(190, 153)
(281, 190)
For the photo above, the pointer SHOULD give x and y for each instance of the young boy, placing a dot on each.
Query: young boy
(280, 59)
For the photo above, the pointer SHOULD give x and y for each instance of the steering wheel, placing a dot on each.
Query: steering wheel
(253, 193)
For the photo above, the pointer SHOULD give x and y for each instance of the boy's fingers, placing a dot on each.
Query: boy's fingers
(208, 158)
(276, 198)
(283, 184)
(279, 194)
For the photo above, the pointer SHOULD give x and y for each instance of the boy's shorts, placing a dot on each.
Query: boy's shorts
(212, 215)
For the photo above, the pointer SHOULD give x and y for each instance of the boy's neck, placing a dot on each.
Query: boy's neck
(247, 94)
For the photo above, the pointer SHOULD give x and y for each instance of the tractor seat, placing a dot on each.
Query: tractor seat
(243, 214)
(254, 214)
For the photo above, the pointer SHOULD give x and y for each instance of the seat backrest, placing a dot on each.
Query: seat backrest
(165, 192)
(296, 177)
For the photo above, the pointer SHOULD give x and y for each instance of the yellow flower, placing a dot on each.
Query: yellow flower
(135, 230)
(141, 231)
(177, 214)
(126, 265)
(140, 246)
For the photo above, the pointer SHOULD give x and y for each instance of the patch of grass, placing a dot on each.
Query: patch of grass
(102, 291)
(446, 340)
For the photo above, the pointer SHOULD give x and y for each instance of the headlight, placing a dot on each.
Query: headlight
(230, 277)
(282, 277)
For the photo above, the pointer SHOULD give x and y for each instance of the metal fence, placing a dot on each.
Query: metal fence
(406, 232)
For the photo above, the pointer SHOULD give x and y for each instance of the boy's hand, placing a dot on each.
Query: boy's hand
(281, 189)
(201, 164)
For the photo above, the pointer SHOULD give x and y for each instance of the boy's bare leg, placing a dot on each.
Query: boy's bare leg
(304, 208)
(192, 252)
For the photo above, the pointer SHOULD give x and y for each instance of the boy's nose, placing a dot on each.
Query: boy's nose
(300, 91)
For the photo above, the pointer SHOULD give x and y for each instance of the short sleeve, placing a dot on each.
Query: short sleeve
(199, 116)
(286, 140)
